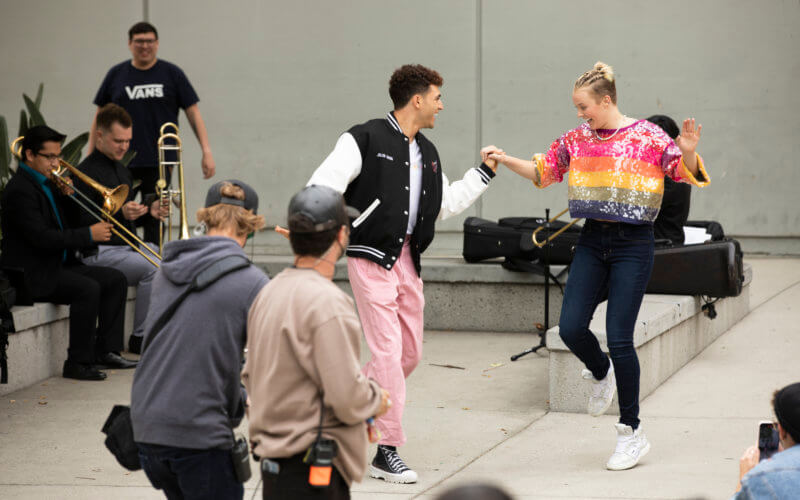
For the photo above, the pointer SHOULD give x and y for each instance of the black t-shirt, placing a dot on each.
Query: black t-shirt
(152, 97)
(111, 174)
(674, 211)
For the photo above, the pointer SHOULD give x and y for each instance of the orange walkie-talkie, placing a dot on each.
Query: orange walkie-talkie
(320, 457)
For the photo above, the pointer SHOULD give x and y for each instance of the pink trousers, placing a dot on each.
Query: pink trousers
(390, 305)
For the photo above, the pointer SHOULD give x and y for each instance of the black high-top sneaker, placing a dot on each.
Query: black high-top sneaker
(388, 466)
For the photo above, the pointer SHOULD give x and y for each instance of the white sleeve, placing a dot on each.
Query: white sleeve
(341, 166)
(458, 196)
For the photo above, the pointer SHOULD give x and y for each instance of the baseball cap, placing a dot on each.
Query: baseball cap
(318, 208)
(214, 196)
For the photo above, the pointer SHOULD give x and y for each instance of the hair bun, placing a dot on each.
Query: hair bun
(605, 70)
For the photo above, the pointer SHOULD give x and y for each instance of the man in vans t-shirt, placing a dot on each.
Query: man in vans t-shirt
(152, 91)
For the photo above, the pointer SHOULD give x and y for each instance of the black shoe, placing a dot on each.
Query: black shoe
(135, 344)
(81, 371)
(114, 360)
(388, 466)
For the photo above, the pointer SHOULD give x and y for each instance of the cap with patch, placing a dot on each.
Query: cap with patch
(215, 197)
(318, 208)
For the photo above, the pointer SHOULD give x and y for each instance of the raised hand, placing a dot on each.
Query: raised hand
(690, 136)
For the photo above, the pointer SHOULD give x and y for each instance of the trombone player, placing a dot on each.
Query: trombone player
(112, 139)
(37, 239)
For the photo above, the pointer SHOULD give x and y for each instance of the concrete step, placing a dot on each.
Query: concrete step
(38, 347)
(670, 331)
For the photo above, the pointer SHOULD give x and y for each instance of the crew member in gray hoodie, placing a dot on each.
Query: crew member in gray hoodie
(187, 396)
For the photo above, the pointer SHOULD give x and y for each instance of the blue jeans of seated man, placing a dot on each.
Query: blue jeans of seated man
(616, 258)
(191, 474)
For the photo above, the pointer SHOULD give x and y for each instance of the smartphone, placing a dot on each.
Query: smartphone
(768, 440)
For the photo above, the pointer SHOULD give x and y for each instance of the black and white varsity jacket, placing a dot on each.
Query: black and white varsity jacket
(370, 165)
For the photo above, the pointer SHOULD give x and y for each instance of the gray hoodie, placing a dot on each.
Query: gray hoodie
(186, 390)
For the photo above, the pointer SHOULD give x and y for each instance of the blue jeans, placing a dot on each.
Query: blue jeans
(190, 474)
(612, 258)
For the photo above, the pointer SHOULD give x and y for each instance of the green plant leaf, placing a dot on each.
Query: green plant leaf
(128, 157)
(71, 152)
(23, 123)
(5, 151)
(38, 100)
(33, 111)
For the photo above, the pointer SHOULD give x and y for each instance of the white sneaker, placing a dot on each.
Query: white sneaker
(631, 447)
(602, 391)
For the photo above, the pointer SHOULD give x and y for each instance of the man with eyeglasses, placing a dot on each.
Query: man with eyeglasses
(38, 240)
(152, 91)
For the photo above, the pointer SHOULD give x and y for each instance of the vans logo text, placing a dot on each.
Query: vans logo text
(145, 91)
(384, 155)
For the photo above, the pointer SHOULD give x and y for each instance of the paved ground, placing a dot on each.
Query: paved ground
(487, 422)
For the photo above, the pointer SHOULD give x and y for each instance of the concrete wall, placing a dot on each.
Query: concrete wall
(278, 82)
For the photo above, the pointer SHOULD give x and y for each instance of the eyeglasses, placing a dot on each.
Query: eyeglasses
(144, 41)
(50, 157)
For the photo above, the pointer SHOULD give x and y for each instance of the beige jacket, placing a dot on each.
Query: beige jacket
(303, 338)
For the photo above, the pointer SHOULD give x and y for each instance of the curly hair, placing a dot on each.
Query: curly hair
(600, 80)
(222, 215)
(409, 80)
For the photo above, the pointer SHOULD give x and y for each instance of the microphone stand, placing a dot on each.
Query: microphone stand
(542, 329)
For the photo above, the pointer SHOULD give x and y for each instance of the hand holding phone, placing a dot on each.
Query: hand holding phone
(768, 440)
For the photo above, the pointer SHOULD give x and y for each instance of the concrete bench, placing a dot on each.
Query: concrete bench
(38, 347)
(467, 297)
(670, 331)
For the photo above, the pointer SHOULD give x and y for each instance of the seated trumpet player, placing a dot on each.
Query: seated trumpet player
(139, 264)
(37, 239)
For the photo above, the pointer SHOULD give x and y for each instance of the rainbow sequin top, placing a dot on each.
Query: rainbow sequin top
(619, 179)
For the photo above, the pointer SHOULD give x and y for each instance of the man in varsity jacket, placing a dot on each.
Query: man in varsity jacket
(392, 173)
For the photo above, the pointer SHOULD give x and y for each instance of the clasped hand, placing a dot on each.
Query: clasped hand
(492, 155)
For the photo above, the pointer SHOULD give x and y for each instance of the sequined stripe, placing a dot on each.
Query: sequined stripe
(617, 180)
(643, 141)
(621, 212)
(628, 196)
(611, 164)
(641, 150)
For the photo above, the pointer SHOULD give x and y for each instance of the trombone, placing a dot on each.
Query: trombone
(550, 238)
(113, 199)
(165, 193)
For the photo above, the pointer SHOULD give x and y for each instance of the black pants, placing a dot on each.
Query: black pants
(292, 483)
(191, 474)
(96, 298)
(149, 177)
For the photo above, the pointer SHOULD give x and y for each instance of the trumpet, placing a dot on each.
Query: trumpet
(164, 192)
(550, 238)
(113, 199)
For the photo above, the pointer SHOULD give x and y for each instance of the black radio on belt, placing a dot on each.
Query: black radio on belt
(241, 459)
